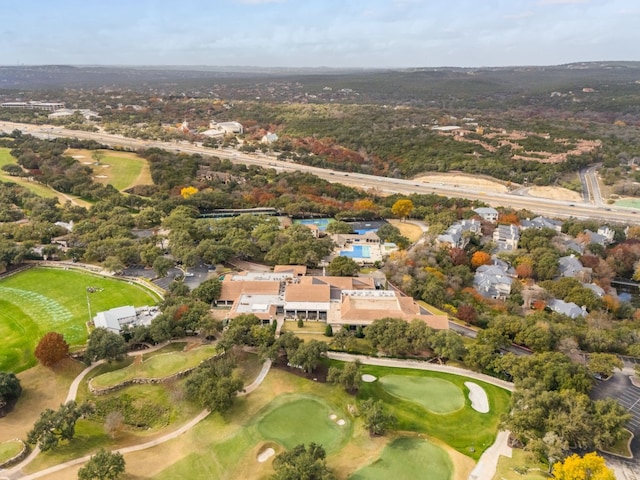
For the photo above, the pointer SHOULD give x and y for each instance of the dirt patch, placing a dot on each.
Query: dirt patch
(555, 193)
(319, 375)
(478, 183)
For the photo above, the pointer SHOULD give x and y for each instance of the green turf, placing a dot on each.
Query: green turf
(466, 430)
(9, 450)
(303, 420)
(629, 203)
(435, 394)
(408, 458)
(158, 366)
(41, 300)
(122, 170)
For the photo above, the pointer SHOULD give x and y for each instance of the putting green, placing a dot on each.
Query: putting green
(303, 420)
(435, 394)
(41, 300)
(408, 458)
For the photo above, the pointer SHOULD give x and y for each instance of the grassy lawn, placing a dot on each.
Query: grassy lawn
(9, 450)
(408, 458)
(621, 447)
(409, 230)
(629, 203)
(157, 366)
(294, 419)
(41, 388)
(467, 431)
(521, 466)
(309, 327)
(120, 169)
(434, 394)
(41, 300)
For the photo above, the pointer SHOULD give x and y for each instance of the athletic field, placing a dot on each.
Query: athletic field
(41, 300)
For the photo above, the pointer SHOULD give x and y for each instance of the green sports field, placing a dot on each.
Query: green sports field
(41, 300)
(408, 458)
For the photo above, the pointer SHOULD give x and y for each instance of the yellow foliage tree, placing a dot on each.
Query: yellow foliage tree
(364, 204)
(402, 208)
(186, 192)
(589, 467)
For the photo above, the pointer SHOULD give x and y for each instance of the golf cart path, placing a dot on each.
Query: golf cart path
(16, 471)
(486, 467)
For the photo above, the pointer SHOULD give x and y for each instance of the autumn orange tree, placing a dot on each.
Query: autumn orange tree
(480, 258)
(589, 467)
(51, 349)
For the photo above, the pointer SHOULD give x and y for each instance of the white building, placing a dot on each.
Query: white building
(116, 318)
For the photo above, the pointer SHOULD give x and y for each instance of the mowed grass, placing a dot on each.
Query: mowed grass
(408, 458)
(122, 170)
(9, 450)
(467, 431)
(434, 394)
(521, 466)
(158, 366)
(41, 300)
(296, 419)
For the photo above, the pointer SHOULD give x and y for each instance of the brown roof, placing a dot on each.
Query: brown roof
(364, 310)
(343, 283)
(296, 270)
(307, 293)
(232, 290)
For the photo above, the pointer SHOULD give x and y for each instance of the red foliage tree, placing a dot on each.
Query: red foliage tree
(524, 270)
(467, 313)
(458, 256)
(51, 349)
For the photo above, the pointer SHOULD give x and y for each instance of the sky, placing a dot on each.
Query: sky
(319, 33)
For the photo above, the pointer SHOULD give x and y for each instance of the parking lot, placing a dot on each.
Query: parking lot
(620, 388)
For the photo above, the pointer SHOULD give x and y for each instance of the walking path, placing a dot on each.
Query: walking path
(486, 467)
(16, 471)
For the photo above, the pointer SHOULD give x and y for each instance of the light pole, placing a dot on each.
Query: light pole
(88, 291)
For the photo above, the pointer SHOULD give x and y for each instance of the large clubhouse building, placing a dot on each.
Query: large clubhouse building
(288, 293)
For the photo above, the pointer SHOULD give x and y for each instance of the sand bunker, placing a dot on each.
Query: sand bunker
(77, 156)
(341, 422)
(368, 378)
(478, 397)
(101, 176)
(266, 454)
(333, 417)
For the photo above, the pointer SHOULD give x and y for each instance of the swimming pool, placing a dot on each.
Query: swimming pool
(358, 251)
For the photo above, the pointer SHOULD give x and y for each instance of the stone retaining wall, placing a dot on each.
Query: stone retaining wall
(144, 381)
(16, 458)
(138, 381)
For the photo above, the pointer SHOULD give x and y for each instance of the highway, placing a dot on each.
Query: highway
(381, 185)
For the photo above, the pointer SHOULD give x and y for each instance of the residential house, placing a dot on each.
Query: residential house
(492, 281)
(569, 309)
(570, 266)
(506, 237)
(540, 223)
(457, 235)
(487, 213)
